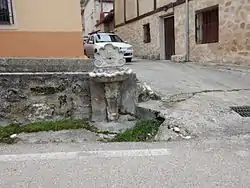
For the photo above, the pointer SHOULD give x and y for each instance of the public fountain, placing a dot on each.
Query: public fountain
(107, 79)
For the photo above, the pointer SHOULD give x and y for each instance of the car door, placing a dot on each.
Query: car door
(89, 47)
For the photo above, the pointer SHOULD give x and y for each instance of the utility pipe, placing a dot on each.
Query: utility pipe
(101, 1)
(187, 32)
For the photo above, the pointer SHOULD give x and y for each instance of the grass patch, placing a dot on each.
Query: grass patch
(6, 132)
(144, 130)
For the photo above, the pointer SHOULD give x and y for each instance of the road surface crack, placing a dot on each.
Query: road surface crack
(180, 97)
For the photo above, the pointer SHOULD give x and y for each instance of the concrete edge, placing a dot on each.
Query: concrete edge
(45, 65)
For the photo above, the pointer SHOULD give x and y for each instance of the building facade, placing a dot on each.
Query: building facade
(94, 13)
(40, 29)
(107, 24)
(219, 30)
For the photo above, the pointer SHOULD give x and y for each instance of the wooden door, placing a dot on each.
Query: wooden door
(169, 37)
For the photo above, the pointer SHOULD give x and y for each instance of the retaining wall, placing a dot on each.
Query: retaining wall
(34, 90)
(43, 89)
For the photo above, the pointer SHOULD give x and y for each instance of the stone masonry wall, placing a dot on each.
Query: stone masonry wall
(29, 97)
(33, 90)
(234, 32)
(133, 33)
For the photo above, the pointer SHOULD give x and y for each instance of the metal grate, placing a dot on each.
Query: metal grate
(243, 111)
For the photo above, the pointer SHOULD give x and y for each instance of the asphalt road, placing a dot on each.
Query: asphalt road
(202, 96)
(204, 163)
(172, 78)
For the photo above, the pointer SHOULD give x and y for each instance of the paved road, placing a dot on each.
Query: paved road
(201, 96)
(197, 163)
(171, 78)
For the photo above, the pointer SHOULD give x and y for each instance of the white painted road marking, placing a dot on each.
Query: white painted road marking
(83, 154)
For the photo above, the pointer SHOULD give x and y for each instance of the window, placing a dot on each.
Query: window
(146, 32)
(207, 25)
(6, 12)
(91, 40)
(107, 38)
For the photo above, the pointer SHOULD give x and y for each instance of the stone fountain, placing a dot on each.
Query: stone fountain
(107, 80)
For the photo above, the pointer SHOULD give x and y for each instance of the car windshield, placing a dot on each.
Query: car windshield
(107, 38)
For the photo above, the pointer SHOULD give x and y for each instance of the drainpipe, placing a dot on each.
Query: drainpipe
(187, 32)
(101, 1)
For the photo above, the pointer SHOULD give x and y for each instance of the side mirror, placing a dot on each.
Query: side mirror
(126, 41)
(91, 42)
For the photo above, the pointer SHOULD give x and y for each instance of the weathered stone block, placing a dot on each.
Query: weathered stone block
(98, 103)
(128, 95)
(31, 97)
(178, 58)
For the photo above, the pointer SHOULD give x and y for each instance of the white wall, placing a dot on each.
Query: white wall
(89, 16)
(107, 7)
(92, 13)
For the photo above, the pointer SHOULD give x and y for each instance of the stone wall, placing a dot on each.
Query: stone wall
(133, 33)
(29, 97)
(43, 89)
(234, 32)
(33, 90)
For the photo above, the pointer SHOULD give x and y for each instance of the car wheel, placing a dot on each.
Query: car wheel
(128, 59)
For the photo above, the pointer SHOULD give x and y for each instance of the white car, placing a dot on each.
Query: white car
(85, 38)
(98, 40)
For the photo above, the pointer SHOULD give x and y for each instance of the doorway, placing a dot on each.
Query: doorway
(169, 37)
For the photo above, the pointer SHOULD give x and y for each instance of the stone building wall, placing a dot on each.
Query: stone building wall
(133, 33)
(234, 32)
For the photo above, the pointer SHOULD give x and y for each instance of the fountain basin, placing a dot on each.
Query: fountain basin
(101, 78)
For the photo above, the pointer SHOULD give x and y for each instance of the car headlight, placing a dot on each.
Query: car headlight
(130, 48)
